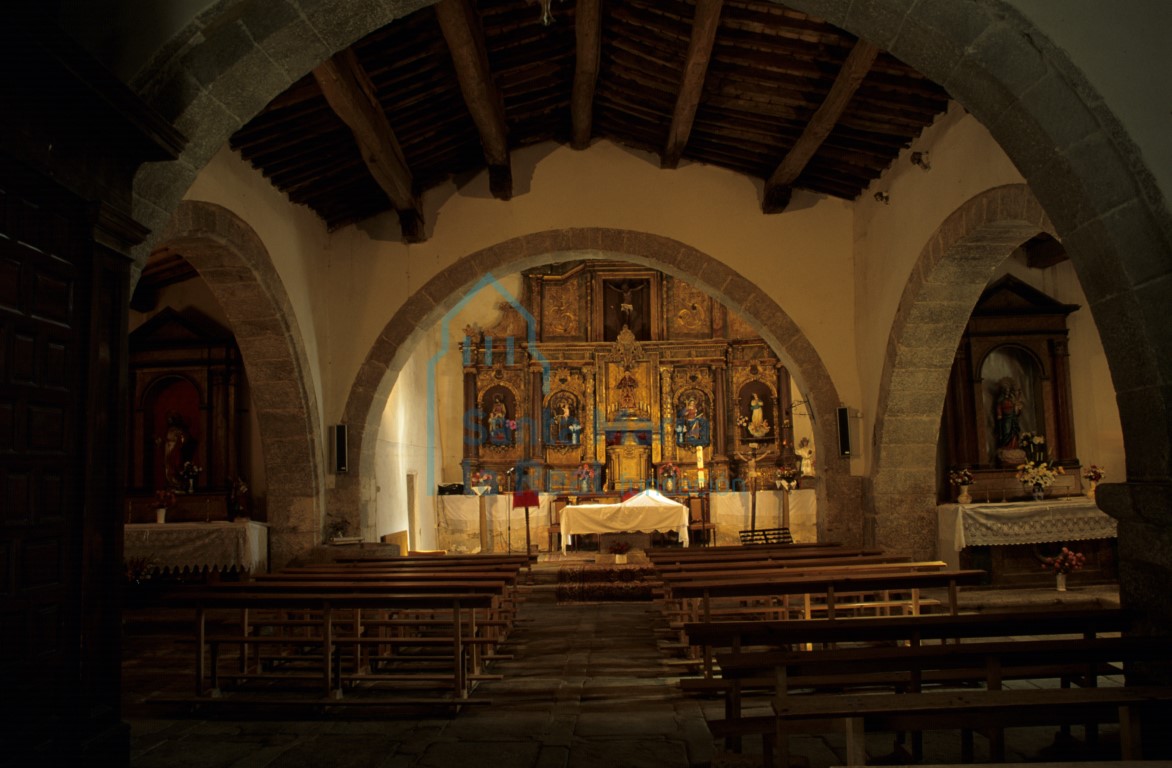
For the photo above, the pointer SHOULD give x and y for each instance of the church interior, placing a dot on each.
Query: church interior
(336, 281)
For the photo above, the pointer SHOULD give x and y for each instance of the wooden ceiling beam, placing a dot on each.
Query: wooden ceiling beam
(464, 35)
(351, 95)
(588, 45)
(704, 26)
(779, 187)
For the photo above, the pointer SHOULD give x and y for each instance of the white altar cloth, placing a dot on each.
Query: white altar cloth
(458, 521)
(217, 546)
(732, 513)
(1074, 518)
(644, 512)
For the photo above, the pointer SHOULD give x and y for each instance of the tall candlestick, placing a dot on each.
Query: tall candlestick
(699, 457)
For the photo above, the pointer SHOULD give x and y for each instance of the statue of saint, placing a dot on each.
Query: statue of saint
(1007, 414)
(498, 432)
(757, 413)
(174, 442)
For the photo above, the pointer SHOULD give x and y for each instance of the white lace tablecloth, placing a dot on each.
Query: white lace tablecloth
(217, 546)
(1031, 522)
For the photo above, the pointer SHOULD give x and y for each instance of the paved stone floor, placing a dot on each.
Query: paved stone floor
(587, 685)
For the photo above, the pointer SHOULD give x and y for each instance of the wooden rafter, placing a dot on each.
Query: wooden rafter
(779, 187)
(588, 34)
(350, 94)
(704, 27)
(464, 35)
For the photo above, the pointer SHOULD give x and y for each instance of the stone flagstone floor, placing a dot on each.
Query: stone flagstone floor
(588, 685)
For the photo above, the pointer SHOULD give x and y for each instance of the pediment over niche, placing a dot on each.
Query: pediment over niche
(1010, 296)
(169, 329)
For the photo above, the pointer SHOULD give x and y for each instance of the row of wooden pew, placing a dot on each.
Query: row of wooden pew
(394, 631)
(820, 670)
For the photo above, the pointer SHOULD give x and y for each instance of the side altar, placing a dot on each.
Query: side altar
(1010, 540)
(628, 379)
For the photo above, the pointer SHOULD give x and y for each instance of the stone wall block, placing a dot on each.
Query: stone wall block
(274, 394)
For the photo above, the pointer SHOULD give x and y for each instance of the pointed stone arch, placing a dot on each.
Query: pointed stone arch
(839, 516)
(945, 283)
(238, 270)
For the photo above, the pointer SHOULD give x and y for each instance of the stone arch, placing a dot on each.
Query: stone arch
(946, 281)
(1043, 112)
(377, 375)
(236, 266)
(1080, 164)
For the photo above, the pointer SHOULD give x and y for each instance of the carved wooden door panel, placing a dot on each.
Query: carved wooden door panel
(60, 451)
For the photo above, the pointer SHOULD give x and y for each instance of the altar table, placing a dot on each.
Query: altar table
(458, 522)
(1074, 518)
(215, 546)
(645, 512)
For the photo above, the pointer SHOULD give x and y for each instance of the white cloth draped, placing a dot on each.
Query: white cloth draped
(216, 546)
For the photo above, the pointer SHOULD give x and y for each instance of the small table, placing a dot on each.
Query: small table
(214, 546)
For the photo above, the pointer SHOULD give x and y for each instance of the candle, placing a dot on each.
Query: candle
(699, 457)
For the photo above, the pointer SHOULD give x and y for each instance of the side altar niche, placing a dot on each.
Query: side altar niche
(630, 379)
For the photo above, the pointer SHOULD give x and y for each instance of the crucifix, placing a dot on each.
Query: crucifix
(752, 474)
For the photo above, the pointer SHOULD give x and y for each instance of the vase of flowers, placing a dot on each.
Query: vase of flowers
(188, 474)
(668, 473)
(584, 474)
(1065, 562)
(164, 500)
(1038, 476)
(481, 482)
(788, 478)
(962, 479)
(1093, 474)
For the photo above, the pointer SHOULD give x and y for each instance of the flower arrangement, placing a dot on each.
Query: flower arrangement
(238, 498)
(481, 478)
(1094, 473)
(165, 499)
(584, 472)
(620, 547)
(743, 421)
(1065, 561)
(960, 477)
(669, 470)
(788, 476)
(1034, 446)
(1041, 473)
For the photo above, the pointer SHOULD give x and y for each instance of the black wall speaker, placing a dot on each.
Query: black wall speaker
(340, 456)
(843, 419)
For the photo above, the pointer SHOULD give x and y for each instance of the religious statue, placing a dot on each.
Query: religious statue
(691, 423)
(176, 445)
(756, 425)
(564, 425)
(627, 308)
(499, 432)
(1007, 413)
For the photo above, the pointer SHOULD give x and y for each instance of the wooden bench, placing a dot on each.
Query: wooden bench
(989, 709)
(751, 668)
(309, 632)
(809, 604)
(702, 593)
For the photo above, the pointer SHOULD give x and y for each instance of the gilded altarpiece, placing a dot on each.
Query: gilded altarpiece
(601, 407)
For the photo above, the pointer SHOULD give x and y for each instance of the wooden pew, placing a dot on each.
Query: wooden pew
(750, 666)
(673, 556)
(326, 622)
(717, 567)
(705, 591)
(990, 709)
